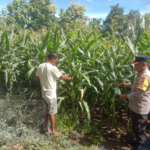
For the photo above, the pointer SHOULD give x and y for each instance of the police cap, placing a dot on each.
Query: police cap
(140, 58)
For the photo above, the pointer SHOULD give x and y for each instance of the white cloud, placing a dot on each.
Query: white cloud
(147, 10)
(144, 12)
(147, 7)
(96, 15)
(109, 0)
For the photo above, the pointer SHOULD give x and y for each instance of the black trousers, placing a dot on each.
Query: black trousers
(139, 124)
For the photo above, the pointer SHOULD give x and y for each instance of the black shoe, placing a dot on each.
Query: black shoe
(132, 143)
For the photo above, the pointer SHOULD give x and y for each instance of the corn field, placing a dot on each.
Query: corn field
(97, 63)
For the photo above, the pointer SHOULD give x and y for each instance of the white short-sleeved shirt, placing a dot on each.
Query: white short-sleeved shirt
(48, 75)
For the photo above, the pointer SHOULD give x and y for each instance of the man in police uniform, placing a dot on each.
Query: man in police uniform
(139, 101)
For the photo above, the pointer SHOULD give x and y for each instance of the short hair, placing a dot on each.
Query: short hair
(52, 55)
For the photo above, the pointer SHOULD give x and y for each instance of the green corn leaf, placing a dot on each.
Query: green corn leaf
(6, 77)
(45, 41)
(90, 44)
(30, 72)
(87, 79)
(87, 111)
(81, 105)
(60, 101)
(70, 34)
(117, 91)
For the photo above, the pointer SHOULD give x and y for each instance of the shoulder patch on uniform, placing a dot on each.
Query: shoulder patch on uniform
(143, 83)
(142, 78)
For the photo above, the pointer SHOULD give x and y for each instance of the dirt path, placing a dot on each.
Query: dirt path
(113, 145)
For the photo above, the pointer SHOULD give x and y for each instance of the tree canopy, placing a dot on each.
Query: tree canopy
(116, 19)
(38, 14)
(41, 13)
(134, 17)
(34, 14)
(74, 16)
(95, 22)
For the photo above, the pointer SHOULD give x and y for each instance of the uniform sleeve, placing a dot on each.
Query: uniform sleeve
(135, 95)
(143, 83)
(56, 72)
(140, 88)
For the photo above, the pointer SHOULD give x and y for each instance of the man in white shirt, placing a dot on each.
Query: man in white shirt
(47, 74)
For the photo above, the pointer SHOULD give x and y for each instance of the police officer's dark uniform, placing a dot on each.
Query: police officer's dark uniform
(139, 102)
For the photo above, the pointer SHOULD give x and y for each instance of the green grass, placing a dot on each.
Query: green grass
(22, 125)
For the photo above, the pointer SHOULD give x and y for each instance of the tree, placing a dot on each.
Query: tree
(3, 16)
(147, 21)
(74, 16)
(116, 20)
(134, 17)
(95, 23)
(35, 14)
(17, 13)
(41, 14)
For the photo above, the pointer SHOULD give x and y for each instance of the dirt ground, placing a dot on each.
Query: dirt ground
(115, 137)
(110, 135)
(120, 143)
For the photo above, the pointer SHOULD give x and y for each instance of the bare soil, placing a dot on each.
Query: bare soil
(115, 137)
(110, 135)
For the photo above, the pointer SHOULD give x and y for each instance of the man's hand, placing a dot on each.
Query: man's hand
(123, 97)
(66, 78)
(125, 85)
(72, 78)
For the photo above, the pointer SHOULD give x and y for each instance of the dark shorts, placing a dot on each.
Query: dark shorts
(50, 106)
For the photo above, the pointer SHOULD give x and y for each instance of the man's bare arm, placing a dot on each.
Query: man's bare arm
(36, 78)
(125, 85)
(66, 78)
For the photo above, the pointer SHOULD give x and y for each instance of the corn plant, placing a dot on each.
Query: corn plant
(98, 65)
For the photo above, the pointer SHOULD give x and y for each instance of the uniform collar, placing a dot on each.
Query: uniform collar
(143, 71)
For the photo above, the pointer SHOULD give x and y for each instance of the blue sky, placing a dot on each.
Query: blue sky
(98, 8)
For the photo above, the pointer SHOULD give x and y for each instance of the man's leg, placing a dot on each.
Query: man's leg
(52, 119)
(45, 105)
(46, 121)
(141, 137)
(139, 123)
(52, 112)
